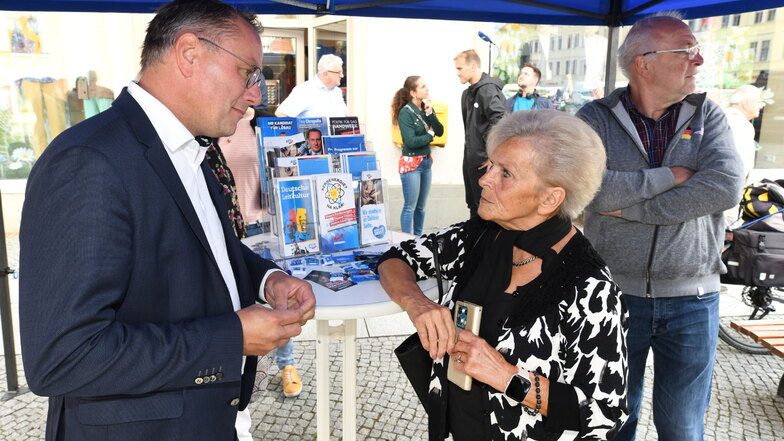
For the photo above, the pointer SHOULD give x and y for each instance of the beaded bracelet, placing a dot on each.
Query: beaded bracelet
(535, 411)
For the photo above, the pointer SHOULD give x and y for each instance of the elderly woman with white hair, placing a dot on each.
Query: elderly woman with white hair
(549, 361)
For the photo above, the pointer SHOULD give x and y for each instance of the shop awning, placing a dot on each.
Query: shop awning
(562, 12)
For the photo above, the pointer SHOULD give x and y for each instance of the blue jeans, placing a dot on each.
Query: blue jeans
(416, 186)
(252, 229)
(284, 355)
(682, 332)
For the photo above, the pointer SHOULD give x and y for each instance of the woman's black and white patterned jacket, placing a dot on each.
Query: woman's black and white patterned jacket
(573, 332)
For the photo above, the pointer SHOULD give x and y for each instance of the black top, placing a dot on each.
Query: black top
(467, 410)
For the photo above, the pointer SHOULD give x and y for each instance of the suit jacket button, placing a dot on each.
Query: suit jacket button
(198, 380)
(235, 402)
(213, 378)
(219, 375)
(206, 379)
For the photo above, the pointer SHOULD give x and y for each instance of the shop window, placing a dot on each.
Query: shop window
(764, 50)
(331, 39)
(279, 67)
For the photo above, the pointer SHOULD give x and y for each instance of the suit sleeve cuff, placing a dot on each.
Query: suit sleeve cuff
(262, 297)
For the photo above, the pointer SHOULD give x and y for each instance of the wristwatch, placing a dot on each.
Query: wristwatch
(518, 388)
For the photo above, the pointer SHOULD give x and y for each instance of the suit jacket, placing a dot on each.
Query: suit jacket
(126, 322)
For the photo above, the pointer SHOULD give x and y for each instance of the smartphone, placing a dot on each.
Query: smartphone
(467, 316)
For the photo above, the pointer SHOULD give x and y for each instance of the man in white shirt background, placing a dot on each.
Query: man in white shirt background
(319, 96)
(745, 105)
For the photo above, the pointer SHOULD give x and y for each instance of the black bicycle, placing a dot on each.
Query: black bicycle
(748, 303)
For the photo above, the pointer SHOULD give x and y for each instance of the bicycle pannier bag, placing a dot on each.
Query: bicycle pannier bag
(755, 258)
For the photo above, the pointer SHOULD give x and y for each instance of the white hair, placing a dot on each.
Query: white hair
(329, 62)
(640, 38)
(566, 153)
(746, 92)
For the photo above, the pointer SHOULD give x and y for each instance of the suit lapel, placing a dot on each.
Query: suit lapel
(159, 160)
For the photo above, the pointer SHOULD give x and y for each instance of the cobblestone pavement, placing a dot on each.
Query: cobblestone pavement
(744, 405)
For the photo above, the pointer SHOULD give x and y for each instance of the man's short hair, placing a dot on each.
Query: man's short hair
(470, 57)
(329, 62)
(746, 92)
(314, 130)
(535, 69)
(210, 19)
(640, 38)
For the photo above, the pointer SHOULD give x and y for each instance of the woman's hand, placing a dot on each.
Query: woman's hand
(433, 322)
(434, 325)
(475, 357)
(428, 107)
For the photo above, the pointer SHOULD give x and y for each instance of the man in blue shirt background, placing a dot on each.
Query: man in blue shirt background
(527, 98)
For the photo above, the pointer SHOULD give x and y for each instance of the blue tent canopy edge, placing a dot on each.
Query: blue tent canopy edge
(563, 12)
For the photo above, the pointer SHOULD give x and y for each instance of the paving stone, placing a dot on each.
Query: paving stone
(387, 408)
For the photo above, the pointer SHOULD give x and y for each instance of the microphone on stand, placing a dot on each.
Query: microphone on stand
(486, 38)
(489, 50)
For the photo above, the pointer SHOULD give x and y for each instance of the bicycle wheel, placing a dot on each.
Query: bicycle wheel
(748, 303)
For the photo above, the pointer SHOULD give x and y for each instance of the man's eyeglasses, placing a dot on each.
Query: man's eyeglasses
(692, 51)
(339, 72)
(255, 74)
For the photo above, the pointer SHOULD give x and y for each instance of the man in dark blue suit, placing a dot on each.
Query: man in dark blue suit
(137, 301)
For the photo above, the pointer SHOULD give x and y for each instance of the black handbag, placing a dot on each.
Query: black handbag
(413, 358)
(417, 365)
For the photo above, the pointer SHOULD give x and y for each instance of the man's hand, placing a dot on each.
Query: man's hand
(284, 292)
(265, 329)
(681, 174)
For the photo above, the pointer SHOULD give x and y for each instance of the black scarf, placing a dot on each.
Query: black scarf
(494, 271)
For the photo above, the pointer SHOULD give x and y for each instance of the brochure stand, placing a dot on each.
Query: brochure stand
(322, 187)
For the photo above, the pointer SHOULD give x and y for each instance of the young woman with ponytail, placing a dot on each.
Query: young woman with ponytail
(418, 123)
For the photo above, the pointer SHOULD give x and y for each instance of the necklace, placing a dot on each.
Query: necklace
(523, 262)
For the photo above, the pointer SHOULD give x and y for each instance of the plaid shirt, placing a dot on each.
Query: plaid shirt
(654, 134)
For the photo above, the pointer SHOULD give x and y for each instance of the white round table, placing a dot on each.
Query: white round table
(363, 300)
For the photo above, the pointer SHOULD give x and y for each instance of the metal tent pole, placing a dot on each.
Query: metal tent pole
(613, 32)
(9, 348)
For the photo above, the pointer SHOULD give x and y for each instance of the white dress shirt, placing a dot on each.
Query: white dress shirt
(187, 155)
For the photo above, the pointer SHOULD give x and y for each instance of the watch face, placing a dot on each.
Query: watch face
(518, 388)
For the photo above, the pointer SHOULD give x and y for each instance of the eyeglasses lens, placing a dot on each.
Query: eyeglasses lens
(254, 78)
